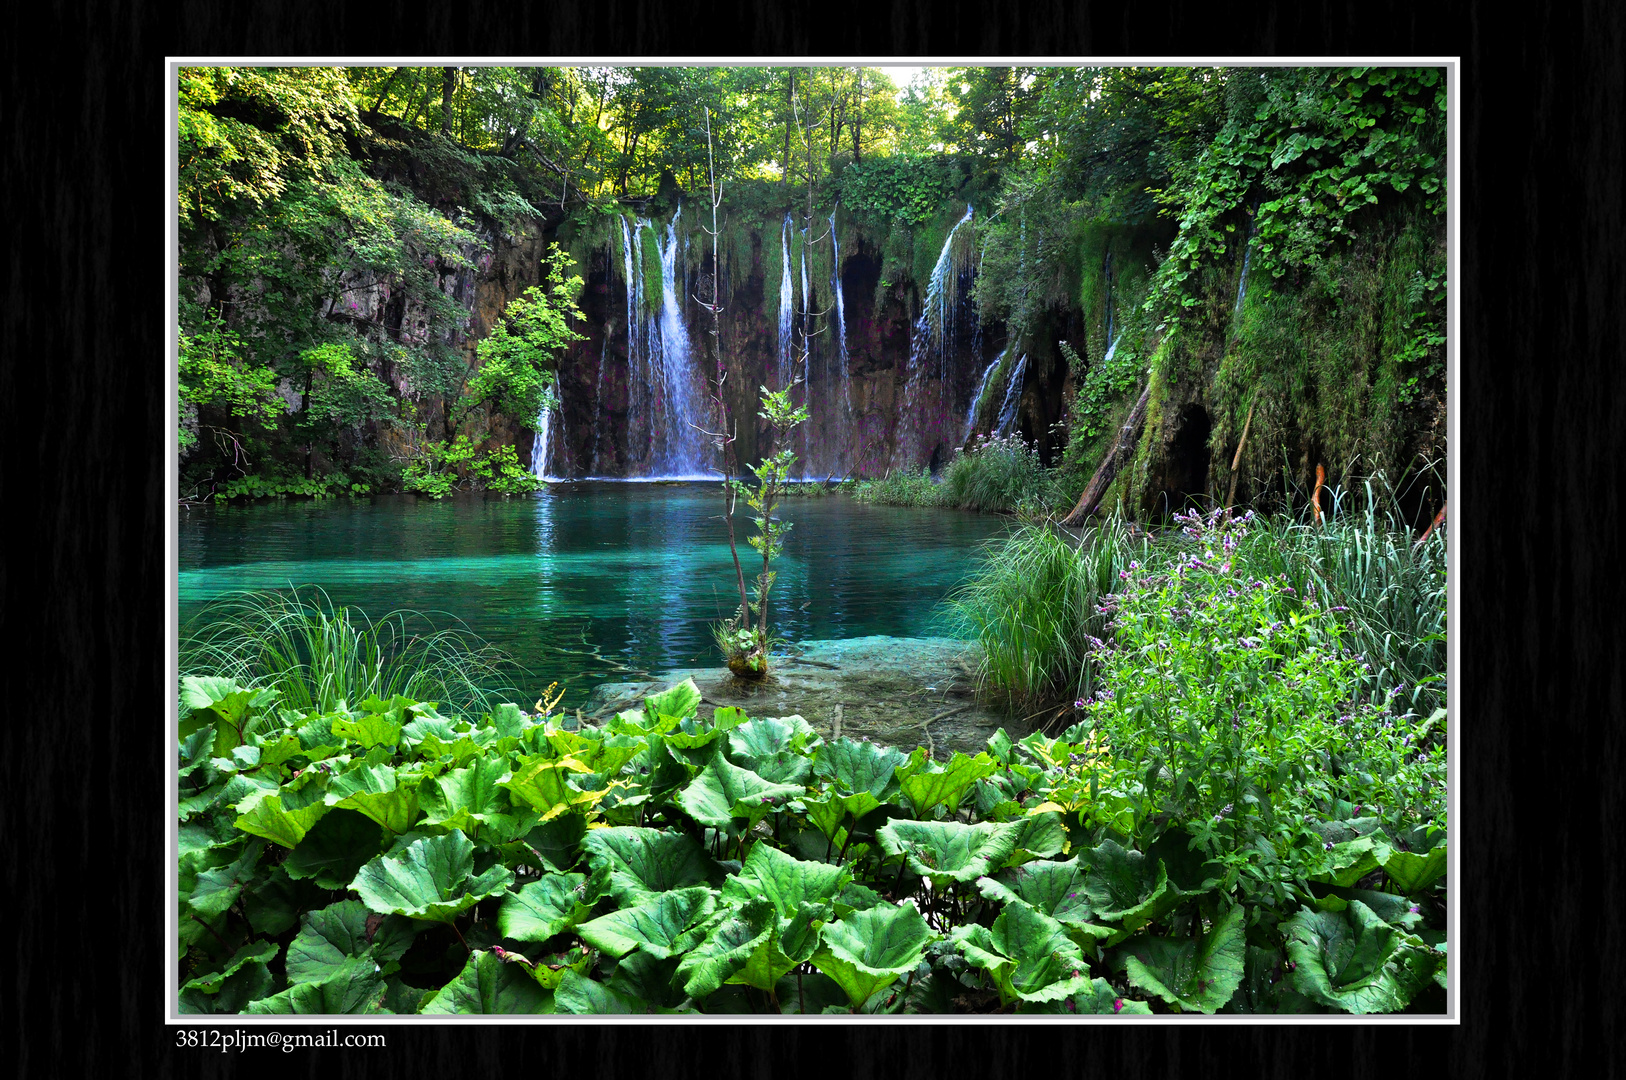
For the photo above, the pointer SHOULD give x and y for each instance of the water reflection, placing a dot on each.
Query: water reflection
(637, 571)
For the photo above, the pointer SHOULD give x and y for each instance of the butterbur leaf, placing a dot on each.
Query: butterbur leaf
(488, 987)
(870, 949)
(376, 791)
(1036, 836)
(1000, 747)
(948, 850)
(334, 849)
(679, 701)
(731, 937)
(775, 748)
(638, 863)
(582, 996)
(641, 976)
(542, 783)
(556, 844)
(466, 799)
(1412, 873)
(540, 909)
(329, 938)
(217, 889)
(1199, 976)
(550, 970)
(246, 984)
(1266, 988)
(1055, 889)
(369, 730)
(1352, 860)
(1126, 886)
(928, 790)
(430, 881)
(851, 766)
(785, 882)
(1355, 962)
(1097, 998)
(663, 926)
(723, 791)
(1047, 964)
(255, 952)
(281, 819)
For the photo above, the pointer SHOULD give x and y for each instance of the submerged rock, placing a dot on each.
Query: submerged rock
(902, 692)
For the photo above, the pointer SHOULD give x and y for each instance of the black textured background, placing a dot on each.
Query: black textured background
(1538, 705)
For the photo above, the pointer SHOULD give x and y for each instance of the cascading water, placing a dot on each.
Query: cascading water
(844, 418)
(930, 341)
(1013, 397)
(787, 308)
(681, 444)
(982, 385)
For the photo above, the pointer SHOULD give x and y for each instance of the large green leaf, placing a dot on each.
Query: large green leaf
(662, 926)
(1354, 961)
(1412, 873)
(1096, 998)
(948, 850)
(378, 792)
(216, 889)
(232, 709)
(540, 909)
(870, 949)
(640, 863)
(581, 996)
(785, 882)
(488, 987)
(852, 766)
(370, 729)
(1265, 989)
(255, 952)
(775, 748)
(466, 799)
(1037, 836)
(829, 813)
(432, 880)
(329, 938)
(541, 782)
(928, 790)
(282, 819)
(679, 701)
(1126, 886)
(724, 791)
(731, 937)
(334, 849)
(1350, 861)
(556, 845)
(1055, 889)
(1198, 976)
(1029, 955)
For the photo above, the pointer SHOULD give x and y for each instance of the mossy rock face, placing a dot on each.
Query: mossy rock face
(903, 692)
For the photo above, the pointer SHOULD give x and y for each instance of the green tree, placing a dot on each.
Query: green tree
(517, 360)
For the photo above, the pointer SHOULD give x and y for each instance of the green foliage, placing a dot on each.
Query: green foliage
(437, 470)
(316, 654)
(1033, 608)
(666, 884)
(216, 372)
(907, 189)
(998, 475)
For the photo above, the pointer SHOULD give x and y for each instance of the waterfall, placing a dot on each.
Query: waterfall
(598, 404)
(541, 448)
(787, 307)
(1107, 359)
(1013, 397)
(971, 413)
(1107, 274)
(681, 452)
(930, 339)
(845, 418)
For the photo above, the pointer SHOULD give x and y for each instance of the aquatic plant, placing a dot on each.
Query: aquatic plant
(393, 857)
(316, 655)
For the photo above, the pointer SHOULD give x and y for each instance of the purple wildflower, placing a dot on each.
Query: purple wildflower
(1117, 1005)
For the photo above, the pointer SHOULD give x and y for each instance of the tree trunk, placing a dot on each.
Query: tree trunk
(1097, 487)
(448, 81)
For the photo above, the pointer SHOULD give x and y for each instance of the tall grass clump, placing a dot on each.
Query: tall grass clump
(317, 655)
(905, 488)
(1388, 591)
(1003, 475)
(1033, 607)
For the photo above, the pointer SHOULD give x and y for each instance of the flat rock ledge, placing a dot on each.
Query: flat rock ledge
(902, 692)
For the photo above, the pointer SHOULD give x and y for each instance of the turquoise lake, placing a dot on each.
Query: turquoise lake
(637, 572)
